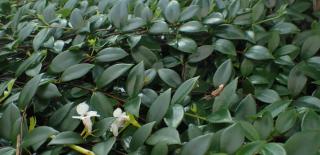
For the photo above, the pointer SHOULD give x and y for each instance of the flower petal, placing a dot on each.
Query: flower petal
(92, 114)
(82, 108)
(77, 117)
(88, 124)
(117, 112)
(114, 128)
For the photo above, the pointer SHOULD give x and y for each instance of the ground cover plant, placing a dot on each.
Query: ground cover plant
(188, 77)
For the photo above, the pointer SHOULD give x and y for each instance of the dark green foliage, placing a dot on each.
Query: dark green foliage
(192, 77)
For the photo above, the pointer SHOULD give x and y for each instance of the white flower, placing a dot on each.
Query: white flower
(85, 116)
(121, 119)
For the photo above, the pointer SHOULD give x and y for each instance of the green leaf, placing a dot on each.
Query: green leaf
(227, 31)
(133, 106)
(28, 91)
(170, 77)
(258, 52)
(286, 120)
(102, 126)
(40, 38)
(285, 28)
(159, 27)
(111, 54)
(64, 60)
(135, 80)
(144, 54)
(220, 116)
(76, 19)
(10, 115)
(172, 11)
(202, 53)
(26, 31)
(29, 62)
(310, 47)
(257, 11)
(140, 136)
(246, 108)
(167, 136)
(267, 95)
(160, 149)
(105, 147)
(285, 50)
(191, 27)
(112, 73)
(296, 81)
(38, 135)
(308, 101)
(184, 89)
(246, 67)
(57, 117)
(101, 104)
(223, 73)
(133, 24)
(251, 148)
(186, 45)
(227, 97)
(189, 12)
(7, 151)
(48, 91)
(273, 149)
(303, 143)
(159, 107)
(225, 47)
(310, 121)
(199, 145)
(231, 139)
(249, 131)
(119, 13)
(214, 19)
(174, 116)
(67, 137)
(276, 107)
(264, 125)
(76, 71)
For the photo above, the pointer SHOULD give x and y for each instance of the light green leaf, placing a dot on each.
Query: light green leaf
(140, 136)
(189, 12)
(174, 116)
(202, 53)
(135, 80)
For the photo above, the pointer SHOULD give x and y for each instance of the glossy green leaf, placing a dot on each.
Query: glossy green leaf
(198, 145)
(159, 107)
(225, 47)
(202, 53)
(183, 90)
(174, 116)
(112, 73)
(111, 54)
(223, 73)
(167, 135)
(76, 71)
(135, 79)
(172, 11)
(141, 135)
(67, 137)
(101, 104)
(170, 77)
(105, 147)
(258, 53)
(64, 60)
(28, 91)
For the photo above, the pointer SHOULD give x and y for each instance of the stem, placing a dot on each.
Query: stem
(196, 116)
(81, 150)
